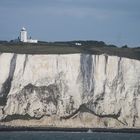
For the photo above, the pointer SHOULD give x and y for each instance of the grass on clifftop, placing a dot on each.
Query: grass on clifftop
(88, 47)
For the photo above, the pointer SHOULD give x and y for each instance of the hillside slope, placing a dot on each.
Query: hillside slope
(95, 48)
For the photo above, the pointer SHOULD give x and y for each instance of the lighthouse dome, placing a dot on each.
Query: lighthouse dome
(23, 29)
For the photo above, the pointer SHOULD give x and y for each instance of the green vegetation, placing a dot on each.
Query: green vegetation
(89, 47)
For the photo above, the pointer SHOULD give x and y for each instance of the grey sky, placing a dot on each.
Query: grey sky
(113, 21)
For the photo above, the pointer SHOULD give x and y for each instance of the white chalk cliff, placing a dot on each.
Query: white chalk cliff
(73, 90)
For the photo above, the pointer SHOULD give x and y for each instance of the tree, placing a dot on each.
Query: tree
(125, 46)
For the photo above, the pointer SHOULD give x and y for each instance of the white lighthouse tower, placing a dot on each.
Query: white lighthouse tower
(23, 35)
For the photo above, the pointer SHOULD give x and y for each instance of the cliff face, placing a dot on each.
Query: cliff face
(75, 90)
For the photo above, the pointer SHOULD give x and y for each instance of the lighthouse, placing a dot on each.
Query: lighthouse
(23, 35)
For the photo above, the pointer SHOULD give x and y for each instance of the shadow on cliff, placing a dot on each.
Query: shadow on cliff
(7, 84)
(83, 108)
(86, 75)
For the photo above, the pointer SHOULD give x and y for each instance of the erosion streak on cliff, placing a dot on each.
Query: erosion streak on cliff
(7, 84)
(86, 71)
(25, 62)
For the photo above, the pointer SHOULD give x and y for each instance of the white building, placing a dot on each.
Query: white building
(24, 37)
(78, 44)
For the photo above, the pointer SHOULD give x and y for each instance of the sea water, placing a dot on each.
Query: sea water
(42, 135)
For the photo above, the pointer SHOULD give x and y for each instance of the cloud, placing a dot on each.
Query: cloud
(75, 12)
(100, 5)
(96, 9)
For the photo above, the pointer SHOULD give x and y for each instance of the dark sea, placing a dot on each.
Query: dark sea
(42, 135)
